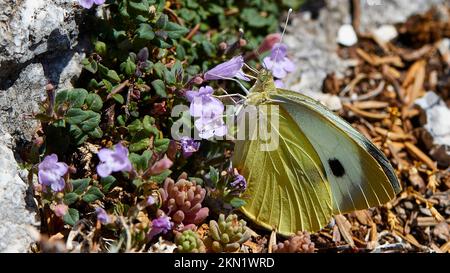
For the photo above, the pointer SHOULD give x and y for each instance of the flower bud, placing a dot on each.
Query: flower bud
(60, 210)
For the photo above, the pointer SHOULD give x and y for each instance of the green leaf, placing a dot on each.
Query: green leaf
(145, 32)
(140, 145)
(100, 48)
(77, 134)
(161, 177)
(123, 9)
(70, 198)
(140, 162)
(119, 98)
(108, 183)
(159, 69)
(139, 5)
(96, 133)
(110, 75)
(161, 145)
(71, 217)
(80, 185)
(237, 202)
(77, 96)
(169, 76)
(147, 123)
(90, 66)
(92, 194)
(180, 52)
(197, 180)
(128, 67)
(213, 175)
(94, 102)
(162, 21)
(187, 14)
(138, 182)
(216, 9)
(113, 76)
(135, 127)
(119, 34)
(160, 88)
(91, 122)
(208, 47)
(254, 18)
(175, 31)
(76, 116)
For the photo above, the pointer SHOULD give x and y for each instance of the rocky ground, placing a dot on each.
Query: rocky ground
(40, 43)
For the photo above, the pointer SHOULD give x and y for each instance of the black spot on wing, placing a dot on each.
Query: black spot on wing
(336, 167)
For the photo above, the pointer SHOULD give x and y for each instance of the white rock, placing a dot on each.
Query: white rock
(385, 33)
(438, 117)
(347, 35)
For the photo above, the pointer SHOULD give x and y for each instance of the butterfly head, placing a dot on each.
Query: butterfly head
(264, 83)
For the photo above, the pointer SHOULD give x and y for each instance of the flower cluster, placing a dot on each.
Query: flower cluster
(189, 146)
(278, 63)
(102, 216)
(238, 185)
(208, 110)
(51, 173)
(113, 160)
(161, 224)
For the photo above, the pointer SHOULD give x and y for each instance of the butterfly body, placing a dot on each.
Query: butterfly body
(321, 166)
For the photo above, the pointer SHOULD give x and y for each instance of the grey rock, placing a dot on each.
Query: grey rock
(16, 221)
(39, 44)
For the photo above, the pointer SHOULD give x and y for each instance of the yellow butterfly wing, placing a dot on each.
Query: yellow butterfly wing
(359, 174)
(287, 189)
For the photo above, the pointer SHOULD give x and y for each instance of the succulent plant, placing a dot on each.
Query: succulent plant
(299, 243)
(182, 201)
(227, 234)
(189, 242)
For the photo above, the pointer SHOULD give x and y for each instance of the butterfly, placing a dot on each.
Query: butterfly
(321, 166)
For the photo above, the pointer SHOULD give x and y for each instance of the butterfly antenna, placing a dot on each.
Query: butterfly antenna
(284, 30)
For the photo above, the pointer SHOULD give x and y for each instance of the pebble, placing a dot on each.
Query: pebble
(385, 33)
(347, 35)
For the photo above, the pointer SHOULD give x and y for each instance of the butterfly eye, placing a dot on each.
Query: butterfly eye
(336, 167)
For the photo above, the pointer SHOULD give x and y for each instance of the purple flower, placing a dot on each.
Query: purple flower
(151, 201)
(203, 104)
(208, 110)
(189, 146)
(60, 210)
(113, 161)
(161, 224)
(161, 165)
(277, 62)
(228, 69)
(239, 184)
(87, 4)
(210, 127)
(51, 173)
(102, 216)
(279, 83)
